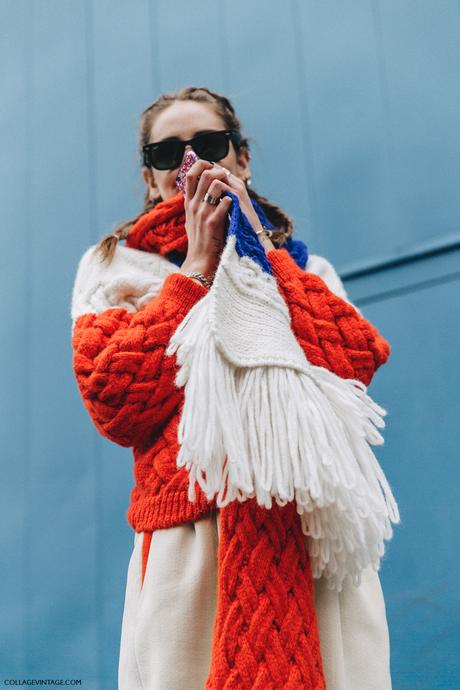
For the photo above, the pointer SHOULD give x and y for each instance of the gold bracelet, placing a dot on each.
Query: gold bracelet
(204, 280)
(265, 231)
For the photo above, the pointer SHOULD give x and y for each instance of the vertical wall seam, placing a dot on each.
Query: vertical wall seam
(303, 100)
(29, 14)
(154, 46)
(222, 23)
(99, 592)
(382, 80)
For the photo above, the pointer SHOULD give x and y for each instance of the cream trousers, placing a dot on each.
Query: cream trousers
(167, 626)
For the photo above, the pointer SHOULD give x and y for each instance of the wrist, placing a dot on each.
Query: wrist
(267, 244)
(196, 266)
(265, 241)
(262, 236)
(202, 266)
(200, 278)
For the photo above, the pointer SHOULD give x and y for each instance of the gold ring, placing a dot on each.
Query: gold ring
(213, 200)
(226, 170)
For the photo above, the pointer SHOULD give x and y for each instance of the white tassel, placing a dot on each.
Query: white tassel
(277, 432)
(210, 431)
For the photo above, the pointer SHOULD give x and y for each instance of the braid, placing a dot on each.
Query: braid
(222, 106)
(107, 246)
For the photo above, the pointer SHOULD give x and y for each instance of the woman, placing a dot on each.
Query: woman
(215, 596)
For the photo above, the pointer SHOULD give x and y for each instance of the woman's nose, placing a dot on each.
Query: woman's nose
(186, 150)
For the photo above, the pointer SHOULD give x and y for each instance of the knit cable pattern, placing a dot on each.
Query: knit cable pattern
(162, 229)
(331, 332)
(124, 377)
(266, 634)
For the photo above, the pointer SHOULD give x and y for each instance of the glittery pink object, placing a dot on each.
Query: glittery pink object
(189, 159)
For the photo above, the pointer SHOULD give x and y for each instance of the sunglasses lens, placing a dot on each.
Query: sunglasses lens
(212, 146)
(166, 155)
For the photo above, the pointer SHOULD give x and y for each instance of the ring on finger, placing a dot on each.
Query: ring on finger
(210, 199)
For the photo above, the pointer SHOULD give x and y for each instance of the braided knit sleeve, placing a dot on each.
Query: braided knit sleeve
(124, 377)
(325, 270)
(332, 332)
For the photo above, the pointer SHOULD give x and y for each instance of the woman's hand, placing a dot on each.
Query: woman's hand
(205, 223)
(234, 184)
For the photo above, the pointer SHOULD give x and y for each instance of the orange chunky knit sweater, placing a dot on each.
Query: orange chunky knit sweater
(265, 634)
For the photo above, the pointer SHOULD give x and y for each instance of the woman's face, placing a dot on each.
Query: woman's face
(184, 119)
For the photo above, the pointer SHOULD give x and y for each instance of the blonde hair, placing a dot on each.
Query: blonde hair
(283, 226)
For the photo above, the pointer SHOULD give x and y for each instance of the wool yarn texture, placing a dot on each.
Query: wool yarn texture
(256, 390)
(261, 421)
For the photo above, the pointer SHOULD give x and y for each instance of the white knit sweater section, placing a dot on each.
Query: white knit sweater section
(134, 277)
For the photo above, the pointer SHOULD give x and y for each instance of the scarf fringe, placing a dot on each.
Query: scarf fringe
(274, 432)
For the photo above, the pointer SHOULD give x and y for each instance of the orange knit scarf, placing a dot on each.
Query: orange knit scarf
(266, 634)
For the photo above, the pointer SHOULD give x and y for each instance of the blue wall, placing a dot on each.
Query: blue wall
(353, 108)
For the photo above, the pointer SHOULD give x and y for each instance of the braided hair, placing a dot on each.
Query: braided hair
(282, 223)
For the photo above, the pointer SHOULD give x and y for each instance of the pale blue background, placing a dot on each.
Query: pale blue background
(354, 110)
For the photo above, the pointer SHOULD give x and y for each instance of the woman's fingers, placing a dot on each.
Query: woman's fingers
(216, 189)
(238, 187)
(233, 180)
(192, 178)
(207, 178)
(224, 205)
(201, 175)
(215, 223)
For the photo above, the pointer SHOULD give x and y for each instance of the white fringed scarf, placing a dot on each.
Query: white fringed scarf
(259, 420)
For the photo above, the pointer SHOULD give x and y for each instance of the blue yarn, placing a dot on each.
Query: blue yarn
(247, 243)
(176, 257)
(298, 250)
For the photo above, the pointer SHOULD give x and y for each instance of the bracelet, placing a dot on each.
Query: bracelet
(204, 280)
(267, 232)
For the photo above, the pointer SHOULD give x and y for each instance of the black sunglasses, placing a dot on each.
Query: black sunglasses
(210, 146)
